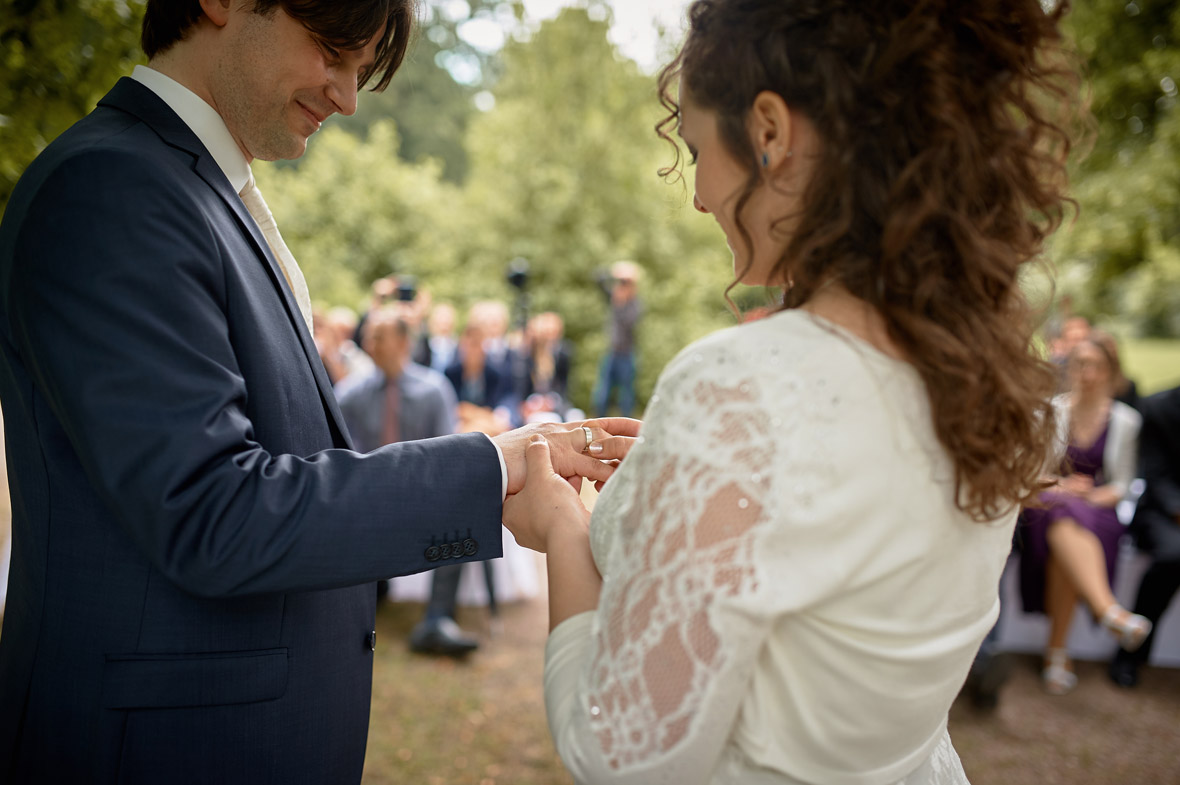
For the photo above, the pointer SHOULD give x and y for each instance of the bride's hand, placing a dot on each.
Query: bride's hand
(548, 505)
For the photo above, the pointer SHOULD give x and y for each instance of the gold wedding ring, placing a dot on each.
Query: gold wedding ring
(589, 437)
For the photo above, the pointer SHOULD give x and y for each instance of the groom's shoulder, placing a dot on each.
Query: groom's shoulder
(102, 146)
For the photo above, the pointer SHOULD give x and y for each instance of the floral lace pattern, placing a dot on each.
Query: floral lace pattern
(716, 529)
(684, 543)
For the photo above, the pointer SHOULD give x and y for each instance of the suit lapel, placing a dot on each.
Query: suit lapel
(130, 96)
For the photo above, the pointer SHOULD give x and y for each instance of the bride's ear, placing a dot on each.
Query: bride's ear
(771, 130)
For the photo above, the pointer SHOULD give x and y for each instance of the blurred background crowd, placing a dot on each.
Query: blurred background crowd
(410, 367)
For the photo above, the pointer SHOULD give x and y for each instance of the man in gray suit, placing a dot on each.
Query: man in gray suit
(401, 401)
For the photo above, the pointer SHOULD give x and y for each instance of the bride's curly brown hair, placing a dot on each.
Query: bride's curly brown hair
(945, 126)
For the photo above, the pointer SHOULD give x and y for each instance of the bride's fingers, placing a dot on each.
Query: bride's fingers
(611, 426)
(598, 485)
(612, 448)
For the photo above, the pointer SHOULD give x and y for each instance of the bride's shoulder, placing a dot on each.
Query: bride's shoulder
(788, 340)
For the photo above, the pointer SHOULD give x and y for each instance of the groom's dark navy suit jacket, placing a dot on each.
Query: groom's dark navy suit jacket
(193, 536)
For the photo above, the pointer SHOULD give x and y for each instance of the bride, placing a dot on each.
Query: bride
(788, 577)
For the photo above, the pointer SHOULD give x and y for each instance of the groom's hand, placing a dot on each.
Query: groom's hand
(567, 448)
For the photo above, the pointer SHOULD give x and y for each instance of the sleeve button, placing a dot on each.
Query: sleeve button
(470, 547)
(432, 553)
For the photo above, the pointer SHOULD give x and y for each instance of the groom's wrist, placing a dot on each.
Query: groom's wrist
(503, 470)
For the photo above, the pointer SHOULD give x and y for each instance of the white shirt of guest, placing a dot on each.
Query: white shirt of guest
(790, 594)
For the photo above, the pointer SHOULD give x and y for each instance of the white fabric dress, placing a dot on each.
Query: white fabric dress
(790, 594)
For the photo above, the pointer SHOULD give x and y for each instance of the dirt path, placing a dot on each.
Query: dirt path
(482, 721)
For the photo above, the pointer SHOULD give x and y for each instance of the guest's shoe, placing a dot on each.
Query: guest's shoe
(1130, 628)
(1124, 670)
(985, 680)
(1057, 678)
(441, 636)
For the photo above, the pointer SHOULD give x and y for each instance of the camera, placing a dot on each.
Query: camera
(518, 273)
(407, 289)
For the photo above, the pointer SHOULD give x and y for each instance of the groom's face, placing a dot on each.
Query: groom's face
(275, 82)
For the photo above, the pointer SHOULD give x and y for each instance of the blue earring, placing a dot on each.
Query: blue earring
(765, 160)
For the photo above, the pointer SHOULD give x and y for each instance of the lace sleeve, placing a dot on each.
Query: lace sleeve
(646, 689)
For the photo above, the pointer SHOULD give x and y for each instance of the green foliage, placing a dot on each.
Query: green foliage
(431, 108)
(563, 173)
(1123, 254)
(1153, 363)
(353, 212)
(57, 59)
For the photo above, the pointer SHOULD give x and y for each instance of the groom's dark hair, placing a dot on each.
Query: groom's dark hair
(343, 24)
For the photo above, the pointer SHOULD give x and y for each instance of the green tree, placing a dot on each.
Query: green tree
(1123, 253)
(56, 60)
(432, 108)
(564, 175)
(353, 212)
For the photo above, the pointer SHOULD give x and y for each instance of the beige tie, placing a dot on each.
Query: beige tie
(254, 202)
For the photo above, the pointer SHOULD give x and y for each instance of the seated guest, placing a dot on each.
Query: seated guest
(480, 386)
(1157, 522)
(334, 331)
(1070, 542)
(1074, 330)
(401, 401)
(436, 346)
(1122, 388)
(546, 384)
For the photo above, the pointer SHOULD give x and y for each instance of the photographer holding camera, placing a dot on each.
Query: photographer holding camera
(618, 366)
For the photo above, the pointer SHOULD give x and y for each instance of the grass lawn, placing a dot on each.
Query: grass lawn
(1153, 363)
(482, 721)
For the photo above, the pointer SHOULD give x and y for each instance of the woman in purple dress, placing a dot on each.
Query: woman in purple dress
(1071, 543)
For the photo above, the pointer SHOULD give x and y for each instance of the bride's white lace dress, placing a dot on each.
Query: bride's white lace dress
(790, 594)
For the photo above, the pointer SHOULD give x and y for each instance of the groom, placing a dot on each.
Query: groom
(195, 541)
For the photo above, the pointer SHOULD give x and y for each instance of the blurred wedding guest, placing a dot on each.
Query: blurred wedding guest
(436, 346)
(334, 331)
(617, 371)
(503, 352)
(789, 575)
(1074, 329)
(549, 359)
(479, 386)
(401, 401)
(1156, 523)
(1058, 314)
(381, 291)
(5, 523)
(1121, 387)
(492, 318)
(1070, 540)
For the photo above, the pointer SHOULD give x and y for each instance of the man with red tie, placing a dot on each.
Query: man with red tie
(398, 401)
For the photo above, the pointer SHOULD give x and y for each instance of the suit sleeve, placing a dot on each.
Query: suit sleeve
(121, 322)
(445, 413)
(1157, 462)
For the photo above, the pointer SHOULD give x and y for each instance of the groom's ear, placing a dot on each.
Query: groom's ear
(218, 11)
